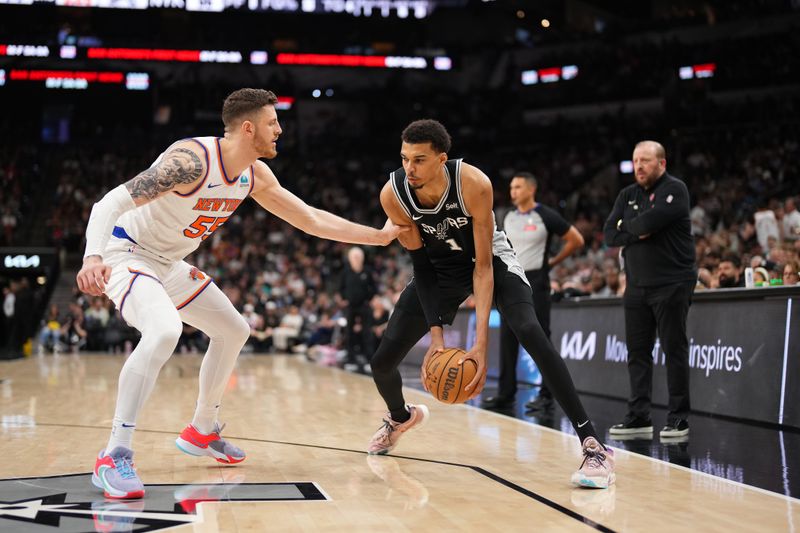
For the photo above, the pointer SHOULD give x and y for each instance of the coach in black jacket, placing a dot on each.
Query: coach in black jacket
(650, 220)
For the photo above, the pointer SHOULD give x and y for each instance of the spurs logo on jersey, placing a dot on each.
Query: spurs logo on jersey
(441, 228)
(174, 225)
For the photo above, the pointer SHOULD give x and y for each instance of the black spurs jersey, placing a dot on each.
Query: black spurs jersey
(446, 228)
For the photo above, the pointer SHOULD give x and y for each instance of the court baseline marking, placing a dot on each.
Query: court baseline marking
(483, 472)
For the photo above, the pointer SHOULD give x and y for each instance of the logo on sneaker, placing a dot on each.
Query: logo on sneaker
(45, 501)
(128, 425)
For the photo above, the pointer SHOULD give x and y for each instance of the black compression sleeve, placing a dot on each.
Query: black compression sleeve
(427, 286)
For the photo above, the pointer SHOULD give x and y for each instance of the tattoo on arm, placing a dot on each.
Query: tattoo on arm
(177, 167)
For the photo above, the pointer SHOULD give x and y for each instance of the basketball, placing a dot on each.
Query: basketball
(446, 378)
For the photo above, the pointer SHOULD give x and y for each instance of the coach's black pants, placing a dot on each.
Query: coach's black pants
(662, 310)
(513, 300)
(358, 332)
(509, 345)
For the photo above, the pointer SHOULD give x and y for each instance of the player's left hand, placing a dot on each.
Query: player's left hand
(390, 231)
(437, 345)
(477, 354)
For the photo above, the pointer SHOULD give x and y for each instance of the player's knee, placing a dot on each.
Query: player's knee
(382, 362)
(239, 329)
(167, 334)
(527, 330)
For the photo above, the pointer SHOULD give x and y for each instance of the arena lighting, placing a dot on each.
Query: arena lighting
(166, 54)
(2, 77)
(24, 50)
(344, 60)
(258, 57)
(284, 103)
(357, 8)
(530, 77)
(111, 4)
(704, 70)
(68, 52)
(569, 72)
(549, 75)
(89, 76)
(66, 83)
(137, 81)
(78, 79)
(442, 63)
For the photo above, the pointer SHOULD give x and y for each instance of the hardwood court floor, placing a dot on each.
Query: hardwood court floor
(467, 470)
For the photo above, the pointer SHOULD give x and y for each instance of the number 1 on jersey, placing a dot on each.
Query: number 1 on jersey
(454, 245)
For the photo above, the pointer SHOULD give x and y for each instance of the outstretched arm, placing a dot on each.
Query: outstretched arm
(282, 203)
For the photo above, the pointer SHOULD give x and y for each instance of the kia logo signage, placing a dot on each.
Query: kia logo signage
(21, 261)
(574, 346)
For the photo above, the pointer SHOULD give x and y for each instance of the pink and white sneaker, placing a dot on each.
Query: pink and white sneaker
(213, 445)
(597, 469)
(115, 474)
(385, 439)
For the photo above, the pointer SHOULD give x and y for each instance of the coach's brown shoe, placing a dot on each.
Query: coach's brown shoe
(390, 432)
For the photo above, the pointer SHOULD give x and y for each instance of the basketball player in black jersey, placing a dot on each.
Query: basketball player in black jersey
(456, 251)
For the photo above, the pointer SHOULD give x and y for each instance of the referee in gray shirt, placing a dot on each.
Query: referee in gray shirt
(530, 228)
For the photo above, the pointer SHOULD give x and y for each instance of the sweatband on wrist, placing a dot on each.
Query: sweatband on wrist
(104, 216)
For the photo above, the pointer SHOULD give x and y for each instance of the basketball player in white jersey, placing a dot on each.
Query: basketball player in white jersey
(137, 237)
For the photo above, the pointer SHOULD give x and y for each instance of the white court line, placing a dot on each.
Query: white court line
(637, 455)
(785, 358)
(647, 457)
(327, 496)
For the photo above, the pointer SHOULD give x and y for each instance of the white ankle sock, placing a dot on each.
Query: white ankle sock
(121, 435)
(205, 419)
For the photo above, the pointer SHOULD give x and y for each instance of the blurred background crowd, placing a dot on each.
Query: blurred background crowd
(733, 137)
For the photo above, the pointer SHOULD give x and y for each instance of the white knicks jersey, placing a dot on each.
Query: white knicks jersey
(173, 226)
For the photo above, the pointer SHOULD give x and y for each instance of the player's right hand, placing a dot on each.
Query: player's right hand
(390, 231)
(93, 276)
(437, 345)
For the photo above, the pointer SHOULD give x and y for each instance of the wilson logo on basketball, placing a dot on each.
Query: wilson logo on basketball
(449, 382)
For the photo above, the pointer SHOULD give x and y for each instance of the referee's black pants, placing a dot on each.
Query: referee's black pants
(658, 310)
(509, 344)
